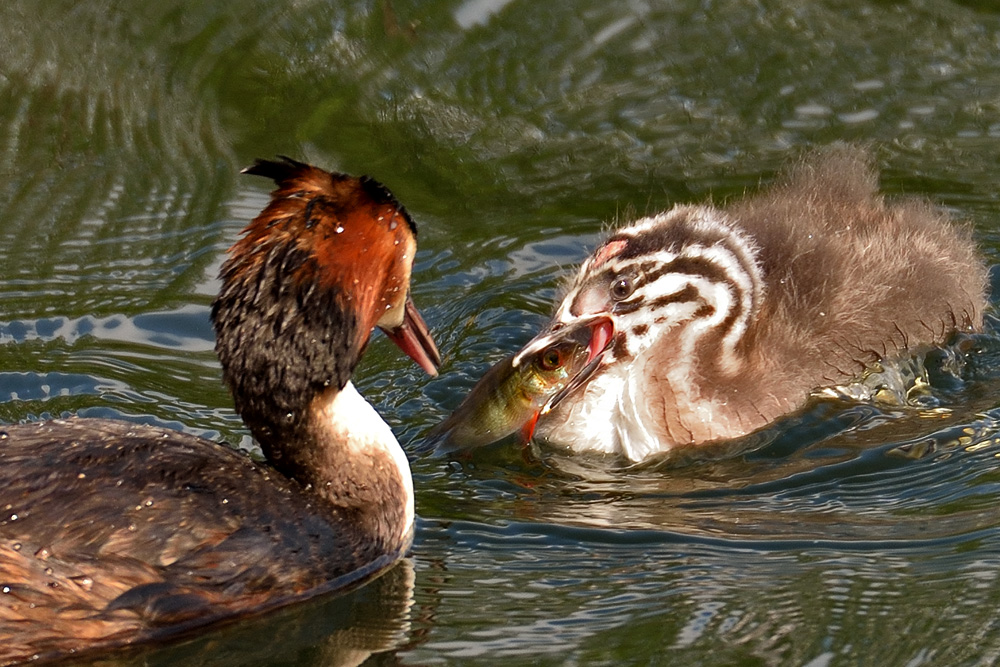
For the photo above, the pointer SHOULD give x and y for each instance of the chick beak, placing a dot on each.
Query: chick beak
(602, 331)
(414, 339)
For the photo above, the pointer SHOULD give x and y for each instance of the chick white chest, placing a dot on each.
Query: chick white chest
(603, 418)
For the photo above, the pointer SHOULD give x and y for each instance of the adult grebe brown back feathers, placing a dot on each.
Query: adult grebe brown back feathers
(114, 533)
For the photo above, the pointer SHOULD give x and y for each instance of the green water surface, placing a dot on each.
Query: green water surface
(516, 132)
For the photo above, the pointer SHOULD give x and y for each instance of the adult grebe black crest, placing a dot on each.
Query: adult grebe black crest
(113, 533)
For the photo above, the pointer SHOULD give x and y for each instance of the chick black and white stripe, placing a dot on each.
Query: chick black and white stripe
(727, 318)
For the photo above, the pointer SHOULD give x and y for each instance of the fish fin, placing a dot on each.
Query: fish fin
(528, 430)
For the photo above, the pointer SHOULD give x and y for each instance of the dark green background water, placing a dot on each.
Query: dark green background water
(515, 132)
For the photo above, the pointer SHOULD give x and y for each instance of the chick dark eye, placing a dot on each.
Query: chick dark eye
(551, 360)
(622, 287)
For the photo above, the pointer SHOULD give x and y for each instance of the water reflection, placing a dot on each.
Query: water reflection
(874, 480)
(342, 631)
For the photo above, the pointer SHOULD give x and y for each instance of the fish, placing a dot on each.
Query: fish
(512, 394)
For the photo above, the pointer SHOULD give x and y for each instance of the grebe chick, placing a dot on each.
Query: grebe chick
(113, 533)
(727, 318)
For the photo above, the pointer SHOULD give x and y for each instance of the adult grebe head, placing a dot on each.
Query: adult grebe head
(327, 261)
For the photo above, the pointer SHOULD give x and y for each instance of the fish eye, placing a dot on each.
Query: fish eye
(623, 287)
(551, 359)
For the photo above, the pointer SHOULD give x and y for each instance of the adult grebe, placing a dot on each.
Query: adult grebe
(726, 319)
(113, 533)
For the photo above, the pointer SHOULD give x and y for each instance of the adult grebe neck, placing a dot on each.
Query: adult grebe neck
(349, 419)
(324, 263)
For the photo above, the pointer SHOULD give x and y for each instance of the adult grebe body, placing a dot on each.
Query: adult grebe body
(113, 533)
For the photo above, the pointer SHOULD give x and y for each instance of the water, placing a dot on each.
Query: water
(515, 133)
